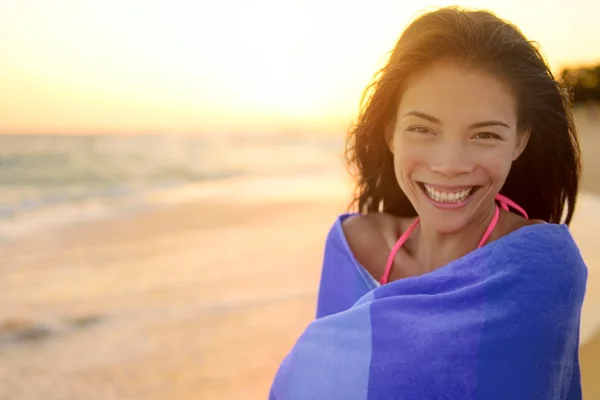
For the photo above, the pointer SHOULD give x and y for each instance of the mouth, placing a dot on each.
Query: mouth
(456, 196)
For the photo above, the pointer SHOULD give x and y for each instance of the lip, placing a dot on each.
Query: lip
(448, 206)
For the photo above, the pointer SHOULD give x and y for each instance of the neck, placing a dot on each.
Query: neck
(435, 249)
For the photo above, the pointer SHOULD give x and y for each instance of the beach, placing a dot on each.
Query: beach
(200, 299)
(181, 306)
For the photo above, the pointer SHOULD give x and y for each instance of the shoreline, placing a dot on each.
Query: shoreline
(328, 185)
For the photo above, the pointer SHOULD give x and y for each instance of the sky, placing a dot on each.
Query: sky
(133, 66)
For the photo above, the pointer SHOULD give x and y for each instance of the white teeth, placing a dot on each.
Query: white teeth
(448, 197)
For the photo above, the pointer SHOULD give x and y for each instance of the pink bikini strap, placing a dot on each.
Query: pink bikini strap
(491, 226)
(504, 203)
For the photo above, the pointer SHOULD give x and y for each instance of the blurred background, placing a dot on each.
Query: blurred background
(169, 171)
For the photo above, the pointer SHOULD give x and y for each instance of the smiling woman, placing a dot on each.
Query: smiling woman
(464, 142)
(433, 288)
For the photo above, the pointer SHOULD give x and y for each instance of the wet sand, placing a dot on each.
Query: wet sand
(168, 305)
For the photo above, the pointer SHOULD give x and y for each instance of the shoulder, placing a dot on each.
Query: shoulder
(550, 252)
(371, 237)
(540, 264)
(511, 222)
(370, 228)
(538, 236)
(360, 224)
(363, 233)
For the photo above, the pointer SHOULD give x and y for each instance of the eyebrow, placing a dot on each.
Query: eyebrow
(430, 118)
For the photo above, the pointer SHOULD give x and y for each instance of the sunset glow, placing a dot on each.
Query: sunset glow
(79, 66)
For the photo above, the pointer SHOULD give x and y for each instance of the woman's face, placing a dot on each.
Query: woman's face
(454, 141)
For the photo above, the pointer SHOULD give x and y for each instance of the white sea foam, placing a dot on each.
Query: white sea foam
(48, 181)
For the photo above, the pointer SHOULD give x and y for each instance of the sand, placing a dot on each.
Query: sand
(184, 303)
(197, 301)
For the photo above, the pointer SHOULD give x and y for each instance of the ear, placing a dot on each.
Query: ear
(522, 140)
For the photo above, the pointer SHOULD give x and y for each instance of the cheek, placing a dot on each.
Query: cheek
(496, 163)
(408, 158)
(410, 153)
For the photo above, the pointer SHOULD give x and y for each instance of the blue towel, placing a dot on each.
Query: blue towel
(502, 323)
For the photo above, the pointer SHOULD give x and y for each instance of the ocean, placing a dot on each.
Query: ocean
(53, 179)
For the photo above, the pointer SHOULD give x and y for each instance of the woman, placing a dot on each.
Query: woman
(456, 279)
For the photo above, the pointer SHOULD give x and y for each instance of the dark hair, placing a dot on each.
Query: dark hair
(543, 180)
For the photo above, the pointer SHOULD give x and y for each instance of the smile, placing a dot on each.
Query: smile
(453, 195)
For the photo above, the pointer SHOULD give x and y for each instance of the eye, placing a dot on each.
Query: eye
(420, 129)
(488, 135)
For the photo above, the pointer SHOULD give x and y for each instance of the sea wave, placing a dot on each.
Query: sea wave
(55, 179)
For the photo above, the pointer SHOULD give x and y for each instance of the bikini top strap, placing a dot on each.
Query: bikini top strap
(490, 227)
(505, 202)
(390, 262)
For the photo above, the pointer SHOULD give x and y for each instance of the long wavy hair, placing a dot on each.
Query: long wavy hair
(544, 180)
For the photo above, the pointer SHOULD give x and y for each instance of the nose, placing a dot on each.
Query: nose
(451, 159)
